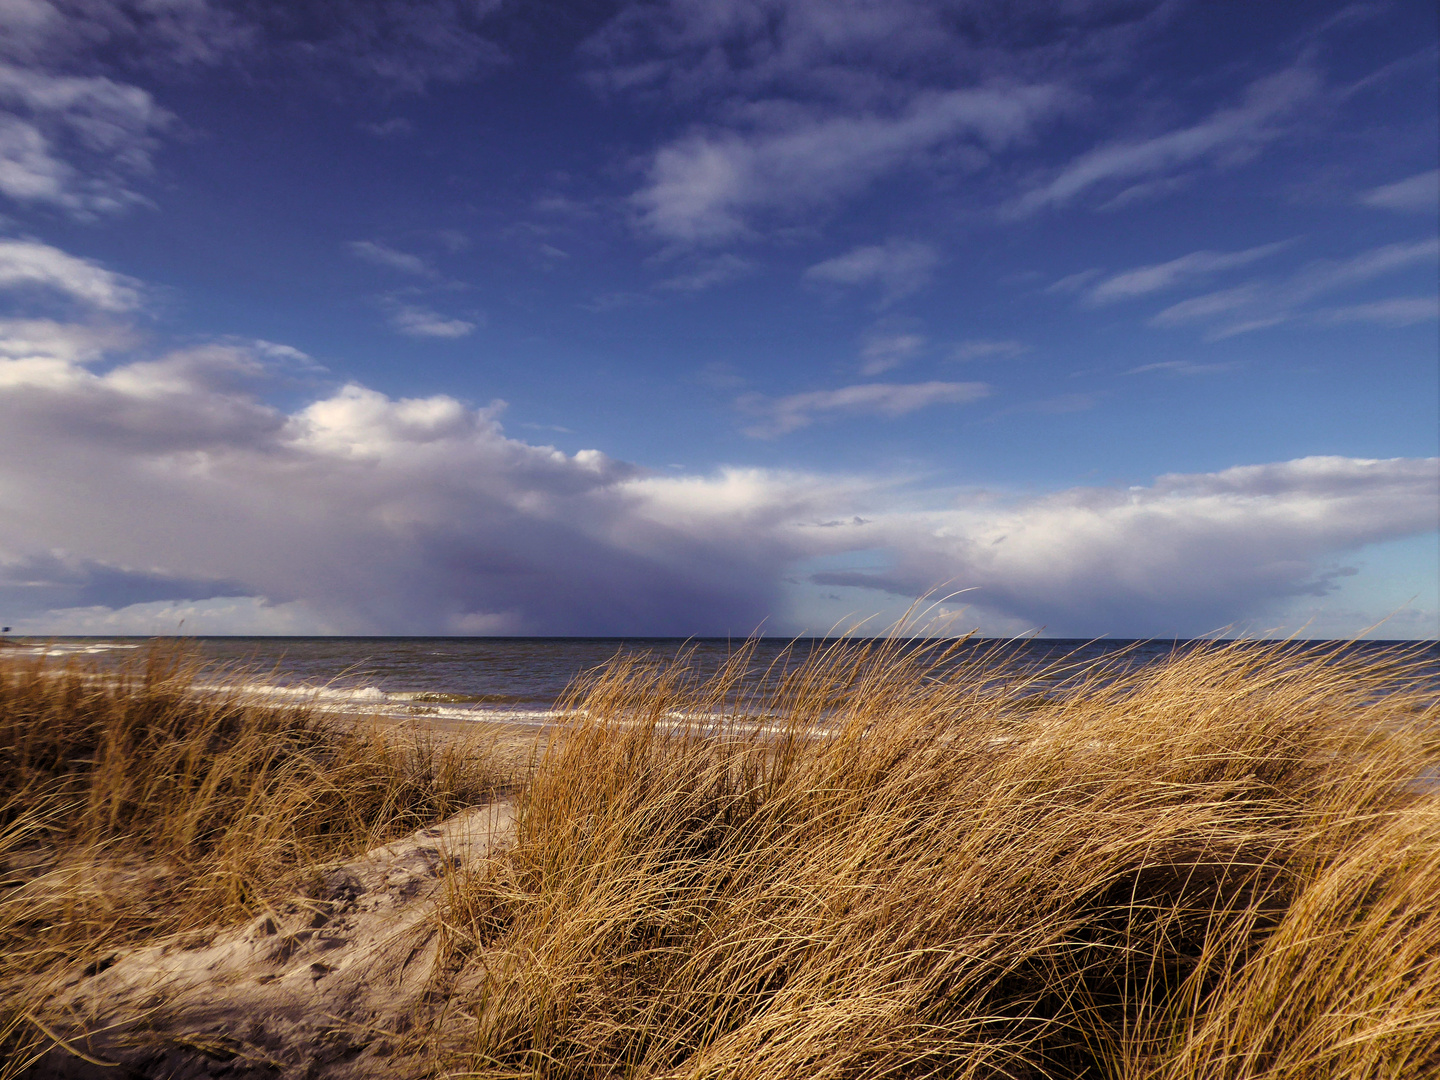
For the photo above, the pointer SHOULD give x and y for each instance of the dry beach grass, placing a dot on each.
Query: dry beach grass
(1226, 865)
(140, 804)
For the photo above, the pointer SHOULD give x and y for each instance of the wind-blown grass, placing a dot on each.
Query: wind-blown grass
(1218, 866)
(890, 861)
(138, 803)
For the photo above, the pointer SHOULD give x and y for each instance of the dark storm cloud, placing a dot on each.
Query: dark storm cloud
(40, 583)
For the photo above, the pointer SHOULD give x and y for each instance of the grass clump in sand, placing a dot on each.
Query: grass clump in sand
(139, 802)
(1218, 866)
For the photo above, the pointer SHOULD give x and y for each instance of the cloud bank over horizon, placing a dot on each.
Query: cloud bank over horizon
(179, 491)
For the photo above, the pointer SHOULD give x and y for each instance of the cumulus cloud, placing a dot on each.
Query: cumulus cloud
(1187, 554)
(419, 514)
(27, 265)
(897, 267)
(172, 488)
(1229, 135)
(68, 342)
(414, 320)
(1419, 194)
(780, 416)
(156, 487)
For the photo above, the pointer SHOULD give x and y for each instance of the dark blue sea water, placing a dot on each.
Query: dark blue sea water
(520, 679)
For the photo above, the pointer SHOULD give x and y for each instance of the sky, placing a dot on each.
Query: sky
(696, 317)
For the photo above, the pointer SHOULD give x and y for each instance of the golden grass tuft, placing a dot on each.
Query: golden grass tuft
(143, 801)
(1223, 865)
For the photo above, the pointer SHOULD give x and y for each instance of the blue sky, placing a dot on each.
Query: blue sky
(687, 317)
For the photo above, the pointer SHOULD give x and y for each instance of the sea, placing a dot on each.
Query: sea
(520, 680)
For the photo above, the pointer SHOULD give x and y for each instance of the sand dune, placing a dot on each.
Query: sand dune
(325, 986)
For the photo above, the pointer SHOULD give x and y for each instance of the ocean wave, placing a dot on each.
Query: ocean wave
(61, 649)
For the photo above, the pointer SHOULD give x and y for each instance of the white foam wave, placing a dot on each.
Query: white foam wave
(61, 649)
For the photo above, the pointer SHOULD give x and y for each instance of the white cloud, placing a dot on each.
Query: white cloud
(1396, 311)
(1227, 136)
(1144, 280)
(388, 129)
(74, 142)
(854, 51)
(1327, 275)
(1179, 367)
(896, 267)
(883, 351)
(29, 172)
(154, 488)
(708, 273)
(1073, 283)
(1259, 304)
(405, 45)
(416, 321)
(244, 615)
(373, 251)
(1188, 554)
(80, 141)
(28, 264)
(186, 33)
(1419, 194)
(421, 515)
(780, 416)
(979, 349)
(705, 186)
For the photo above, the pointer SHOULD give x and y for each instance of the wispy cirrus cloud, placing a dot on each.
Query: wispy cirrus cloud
(79, 134)
(1227, 136)
(1396, 311)
(706, 186)
(1419, 194)
(884, 350)
(854, 51)
(897, 268)
(1259, 304)
(1144, 280)
(796, 105)
(416, 320)
(707, 273)
(782, 415)
(75, 143)
(380, 254)
(987, 349)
